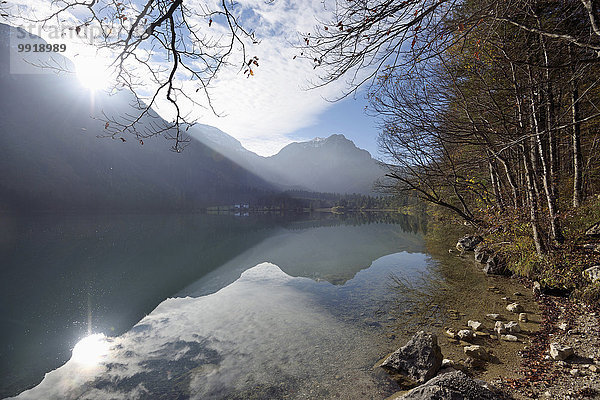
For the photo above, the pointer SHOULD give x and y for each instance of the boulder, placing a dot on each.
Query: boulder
(495, 266)
(537, 288)
(418, 360)
(592, 273)
(560, 351)
(476, 352)
(452, 385)
(468, 243)
(515, 308)
(593, 231)
(512, 327)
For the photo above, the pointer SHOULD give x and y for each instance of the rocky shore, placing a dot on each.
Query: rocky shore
(526, 345)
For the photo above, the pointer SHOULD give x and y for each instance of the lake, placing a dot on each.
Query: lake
(202, 306)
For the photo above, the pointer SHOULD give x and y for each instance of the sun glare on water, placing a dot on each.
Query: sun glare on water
(90, 350)
(92, 74)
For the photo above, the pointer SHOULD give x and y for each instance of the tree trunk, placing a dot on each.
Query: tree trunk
(533, 216)
(576, 139)
(495, 185)
(555, 228)
(511, 180)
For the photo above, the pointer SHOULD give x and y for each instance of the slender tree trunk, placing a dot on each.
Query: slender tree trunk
(554, 163)
(555, 228)
(495, 185)
(533, 214)
(576, 139)
(511, 180)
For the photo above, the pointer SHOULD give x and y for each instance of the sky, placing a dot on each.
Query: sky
(273, 107)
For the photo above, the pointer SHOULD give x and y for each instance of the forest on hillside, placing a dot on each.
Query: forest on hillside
(486, 107)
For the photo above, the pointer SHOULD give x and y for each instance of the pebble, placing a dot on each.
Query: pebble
(475, 325)
(517, 294)
(513, 327)
(515, 308)
(593, 368)
(451, 333)
(574, 372)
(494, 317)
(509, 338)
(523, 317)
(499, 328)
(447, 363)
(465, 334)
(563, 326)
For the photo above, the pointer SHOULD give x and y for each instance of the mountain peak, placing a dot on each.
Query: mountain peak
(336, 137)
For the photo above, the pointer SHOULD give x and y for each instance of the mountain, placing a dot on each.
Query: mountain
(52, 159)
(332, 164)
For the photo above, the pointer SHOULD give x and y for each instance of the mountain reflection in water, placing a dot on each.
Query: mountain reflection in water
(265, 335)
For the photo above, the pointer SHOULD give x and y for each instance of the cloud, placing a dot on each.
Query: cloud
(263, 110)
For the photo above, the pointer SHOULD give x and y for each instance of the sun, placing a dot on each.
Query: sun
(92, 74)
(90, 350)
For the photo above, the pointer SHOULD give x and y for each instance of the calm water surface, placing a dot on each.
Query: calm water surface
(200, 306)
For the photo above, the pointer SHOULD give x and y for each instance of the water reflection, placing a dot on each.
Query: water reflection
(267, 335)
(64, 276)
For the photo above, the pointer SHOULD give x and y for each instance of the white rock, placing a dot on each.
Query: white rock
(592, 273)
(509, 338)
(447, 363)
(515, 308)
(494, 317)
(523, 317)
(451, 333)
(563, 326)
(499, 328)
(475, 325)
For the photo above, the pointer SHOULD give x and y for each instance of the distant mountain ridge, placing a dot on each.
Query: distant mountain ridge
(331, 164)
(52, 159)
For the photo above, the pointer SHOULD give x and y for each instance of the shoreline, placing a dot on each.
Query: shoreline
(523, 369)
